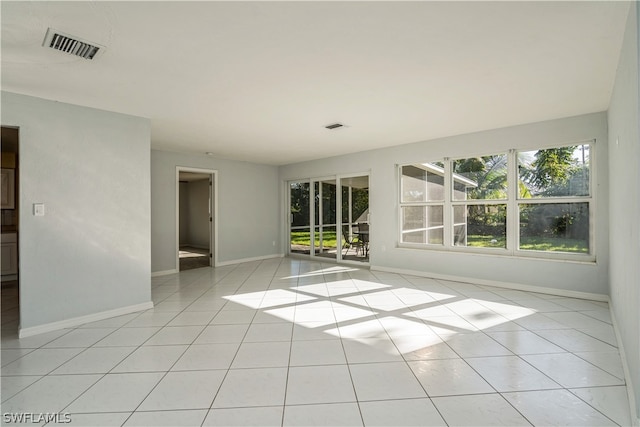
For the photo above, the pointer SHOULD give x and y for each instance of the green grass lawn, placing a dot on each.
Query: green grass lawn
(485, 241)
(554, 244)
(302, 238)
(526, 243)
(551, 244)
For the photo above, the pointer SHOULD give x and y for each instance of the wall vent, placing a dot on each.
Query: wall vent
(334, 126)
(70, 44)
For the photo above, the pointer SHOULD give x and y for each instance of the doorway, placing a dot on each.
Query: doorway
(355, 218)
(196, 218)
(10, 278)
(329, 217)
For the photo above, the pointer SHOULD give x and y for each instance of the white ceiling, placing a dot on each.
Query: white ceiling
(258, 81)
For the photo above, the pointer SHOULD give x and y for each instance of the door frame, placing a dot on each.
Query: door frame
(312, 215)
(339, 178)
(287, 217)
(213, 208)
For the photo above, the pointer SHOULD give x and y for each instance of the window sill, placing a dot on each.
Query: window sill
(504, 253)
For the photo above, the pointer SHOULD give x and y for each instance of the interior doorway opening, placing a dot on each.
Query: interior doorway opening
(10, 274)
(196, 218)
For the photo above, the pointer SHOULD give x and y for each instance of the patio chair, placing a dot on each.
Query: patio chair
(350, 241)
(363, 238)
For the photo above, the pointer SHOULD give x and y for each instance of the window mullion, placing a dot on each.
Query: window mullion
(447, 213)
(513, 214)
(550, 221)
(338, 219)
(400, 205)
(312, 217)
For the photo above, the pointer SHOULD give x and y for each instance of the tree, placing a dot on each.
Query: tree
(554, 172)
(490, 174)
(300, 203)
(552, 167)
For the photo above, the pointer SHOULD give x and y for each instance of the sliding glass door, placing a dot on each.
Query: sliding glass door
(329, 218)
(300, 221)
(325, 241)
(355, 218)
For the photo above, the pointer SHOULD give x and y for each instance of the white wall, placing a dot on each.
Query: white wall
(624, 156)
(90, 253)
(248, 208)
(571, 276)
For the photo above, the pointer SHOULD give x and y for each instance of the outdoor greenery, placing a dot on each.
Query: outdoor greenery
(553, 244)
(475, 240)
(479, 202)
(556, 172)
(303, 238)
(531, 243)
(490, 174)
(300, 203)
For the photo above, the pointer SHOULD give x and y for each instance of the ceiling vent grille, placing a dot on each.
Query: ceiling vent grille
(334, 126)
(71, 44)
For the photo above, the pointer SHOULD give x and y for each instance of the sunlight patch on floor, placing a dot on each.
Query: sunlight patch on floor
(418, 318)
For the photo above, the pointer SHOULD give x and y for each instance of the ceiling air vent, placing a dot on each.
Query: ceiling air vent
(71, 44)
(334, 126)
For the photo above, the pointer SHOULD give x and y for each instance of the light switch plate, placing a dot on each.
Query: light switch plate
(38, 209)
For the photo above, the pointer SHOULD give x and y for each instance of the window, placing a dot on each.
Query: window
(554, 199)
(422, 203)
(329, 217)
(535, 202)
(479, 192)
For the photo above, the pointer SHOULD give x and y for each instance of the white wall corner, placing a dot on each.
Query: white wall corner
(627, 373)
(77, 321)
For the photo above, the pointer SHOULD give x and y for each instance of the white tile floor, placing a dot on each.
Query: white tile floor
(289, 342)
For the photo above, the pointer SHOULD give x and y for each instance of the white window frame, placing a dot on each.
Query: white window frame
(512, 203)
(589, 199)
(426, 203)
(312, 216)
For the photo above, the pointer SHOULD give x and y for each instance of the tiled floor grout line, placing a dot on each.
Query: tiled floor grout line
(156, 385)
(518, 355)
(230, 363)
(346, 358)
(286, 381)
(413, 373)
(286, 387)
(247, 278)
(594, 408)
(117, 364)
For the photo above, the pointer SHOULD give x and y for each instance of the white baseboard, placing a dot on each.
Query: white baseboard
(163, 273)
(77, 321)
(222, 263)
(498, 284)
(627, 375)
(240, 261)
